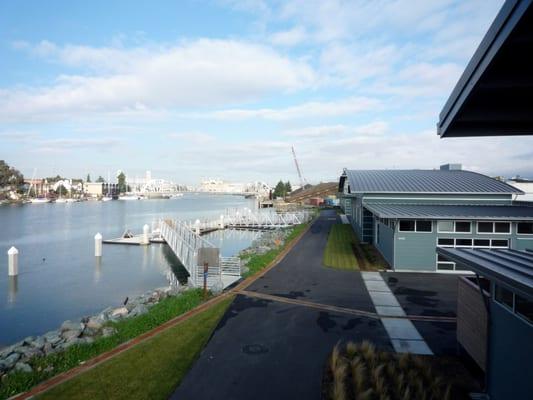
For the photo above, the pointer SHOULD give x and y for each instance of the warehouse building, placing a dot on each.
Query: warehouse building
(406, 214)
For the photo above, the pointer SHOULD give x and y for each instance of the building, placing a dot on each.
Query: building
(525, 185)
(494, 97)
(406, 214)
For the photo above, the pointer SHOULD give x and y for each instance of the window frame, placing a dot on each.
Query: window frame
(494, 228)
(512, 309)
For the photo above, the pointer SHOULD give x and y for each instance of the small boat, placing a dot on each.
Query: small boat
(60, 200)
(40, 200)
(128, 197)
(107, 198)
(176, 196)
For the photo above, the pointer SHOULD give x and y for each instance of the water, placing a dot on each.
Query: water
(59, 277)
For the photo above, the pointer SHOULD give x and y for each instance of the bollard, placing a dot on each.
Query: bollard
(98, 245)
(197, 227)
(13, 261)
(221, 222)
(146, 239)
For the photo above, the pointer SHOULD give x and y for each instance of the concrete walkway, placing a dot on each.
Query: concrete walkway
(402, 333)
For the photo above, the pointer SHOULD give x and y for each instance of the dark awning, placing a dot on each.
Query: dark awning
(512, 268)
(445, 211)
(495, 93)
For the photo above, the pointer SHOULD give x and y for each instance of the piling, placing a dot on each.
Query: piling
(146, 238)
(98, 245)
(197, 227)
(13, 261)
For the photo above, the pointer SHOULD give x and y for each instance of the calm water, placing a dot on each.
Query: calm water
(69, 283)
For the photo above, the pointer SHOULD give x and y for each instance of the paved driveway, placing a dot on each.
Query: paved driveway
(264, 349)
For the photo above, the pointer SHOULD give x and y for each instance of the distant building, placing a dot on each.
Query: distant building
(406, 214)
(525, 185)
(94, 189)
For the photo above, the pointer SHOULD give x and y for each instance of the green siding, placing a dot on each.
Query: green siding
(385, 242)
(415, 250)
(511, 351)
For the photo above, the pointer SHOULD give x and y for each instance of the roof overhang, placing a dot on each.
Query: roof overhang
(512, 268)
(495, 93)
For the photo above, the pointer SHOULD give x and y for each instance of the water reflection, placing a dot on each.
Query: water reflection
(97, 269)
(12, 289)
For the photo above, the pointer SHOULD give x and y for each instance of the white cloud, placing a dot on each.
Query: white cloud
(198, 138)
(371, 129)
(195, 74)
(289, 38)
(352, 105)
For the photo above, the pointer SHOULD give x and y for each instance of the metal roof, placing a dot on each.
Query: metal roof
(425, 181)
(493, 95)
(512, 268)
(476, 212)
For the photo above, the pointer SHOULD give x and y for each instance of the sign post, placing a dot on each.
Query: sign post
(208, 256)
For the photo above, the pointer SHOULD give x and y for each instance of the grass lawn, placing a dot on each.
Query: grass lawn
(259, 261)
(339, 251)
(150, 370)
(46, 367)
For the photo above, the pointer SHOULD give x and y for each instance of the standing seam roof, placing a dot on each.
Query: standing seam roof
(425, 181)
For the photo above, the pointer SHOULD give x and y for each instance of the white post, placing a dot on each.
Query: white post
(221, 223)
(98, 245)
(13, 261)
(197, 227)
(146, 230)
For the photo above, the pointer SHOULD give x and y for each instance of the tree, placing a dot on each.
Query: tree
(121, 179)
(61, 190)
(100, 179)
(279, 190)
(288, 187)
(88, 180)
(9, 176)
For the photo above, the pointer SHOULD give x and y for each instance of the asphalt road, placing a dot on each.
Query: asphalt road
(265, 349)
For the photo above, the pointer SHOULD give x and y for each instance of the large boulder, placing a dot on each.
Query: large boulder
(119, 312)
(71, 335)
(71, 326)
(10, 361)
(95, 323)
(140, 309)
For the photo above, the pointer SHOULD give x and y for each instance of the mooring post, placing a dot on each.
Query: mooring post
(146, 230)
(13, 261)
(197, 227)
(98, 245)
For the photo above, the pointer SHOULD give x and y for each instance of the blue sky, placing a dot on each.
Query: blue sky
(192, 89)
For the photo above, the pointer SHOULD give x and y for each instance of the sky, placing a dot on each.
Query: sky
(223, 89)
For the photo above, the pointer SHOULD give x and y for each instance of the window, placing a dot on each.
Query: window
(524, 308)
(445, 226)
(502, 227)
(407, 225)
(524, 228)
(481, 243)
(423, 226)
(445, 242)
(462, 226)
(503, 296)
(443, 264)
(454, 226)
(493, 227)
(500, 243)
(463, 242)
(484, 227)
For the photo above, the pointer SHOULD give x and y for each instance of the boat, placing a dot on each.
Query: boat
(176, 195)
(128, 197)
(107, 198)
(40, 200)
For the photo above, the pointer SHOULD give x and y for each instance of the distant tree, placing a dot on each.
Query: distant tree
(9, 176)
(280, 190)
(53, 179)
(121, 179)
(88, 180)
(100, 179)
(61, 190)
(288, 187)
